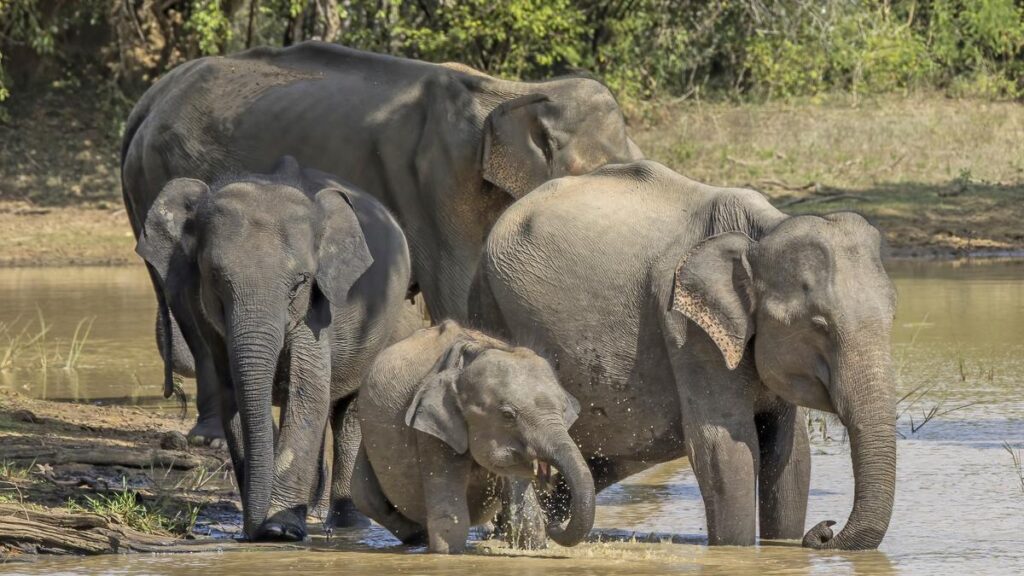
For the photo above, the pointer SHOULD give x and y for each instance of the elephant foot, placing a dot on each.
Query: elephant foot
(207, 432)
(345, 515)
(282, 527)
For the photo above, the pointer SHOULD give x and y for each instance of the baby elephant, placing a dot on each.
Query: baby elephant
(285, 286)
(447, 411)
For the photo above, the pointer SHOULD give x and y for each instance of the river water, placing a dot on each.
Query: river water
(959, 350)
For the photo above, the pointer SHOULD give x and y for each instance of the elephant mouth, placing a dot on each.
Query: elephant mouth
(544, 475)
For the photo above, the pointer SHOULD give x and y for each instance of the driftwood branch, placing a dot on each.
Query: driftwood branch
(56, 532)
(33, 530)
(109, 456)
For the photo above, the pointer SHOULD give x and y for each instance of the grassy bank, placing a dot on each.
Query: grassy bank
(939, 176)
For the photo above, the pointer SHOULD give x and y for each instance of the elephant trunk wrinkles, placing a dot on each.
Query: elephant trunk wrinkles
(563, 454)
(865, 404)
(254, 347)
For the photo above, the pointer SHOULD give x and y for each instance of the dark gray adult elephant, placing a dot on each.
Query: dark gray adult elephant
(693, 321)
(285, 287)
(444, 147)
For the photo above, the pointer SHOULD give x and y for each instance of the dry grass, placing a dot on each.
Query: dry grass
(936, 174)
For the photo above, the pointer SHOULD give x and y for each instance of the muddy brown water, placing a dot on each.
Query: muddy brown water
(959, 341)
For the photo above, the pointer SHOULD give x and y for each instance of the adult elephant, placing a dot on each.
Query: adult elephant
(444, 147)
(693, 321)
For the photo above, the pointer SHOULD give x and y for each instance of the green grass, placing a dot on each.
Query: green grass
(9, 471)
(128, 508)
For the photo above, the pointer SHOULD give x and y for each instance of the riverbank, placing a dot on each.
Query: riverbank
(88, 479)
(940, 177)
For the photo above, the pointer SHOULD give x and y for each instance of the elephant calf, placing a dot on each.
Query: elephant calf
(443, 414)
(285, 287)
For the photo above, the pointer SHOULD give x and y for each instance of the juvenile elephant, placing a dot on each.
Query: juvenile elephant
(694, 321)
(285, 287)
(444, 147)
(446, 412)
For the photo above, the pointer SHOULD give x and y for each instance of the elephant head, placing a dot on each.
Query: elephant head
(815, 301)
(566, 127)
(505, 406)
(250, 271)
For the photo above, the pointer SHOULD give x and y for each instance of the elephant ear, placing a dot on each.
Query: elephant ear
(713, 288)
(572, 410)
(435, 409)
(167, 229)
(342, 256)
(516, 153)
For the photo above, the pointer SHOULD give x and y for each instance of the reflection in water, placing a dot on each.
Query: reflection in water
(959, 505)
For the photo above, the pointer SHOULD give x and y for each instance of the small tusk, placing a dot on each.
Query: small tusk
(536, 468)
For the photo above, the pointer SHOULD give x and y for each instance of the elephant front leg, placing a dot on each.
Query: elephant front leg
(445, 483)
(785, 472)
(299, 443)
(347, 441)
(721, 441)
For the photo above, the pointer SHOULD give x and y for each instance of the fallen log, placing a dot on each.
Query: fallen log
(111, 456)
(32, 530)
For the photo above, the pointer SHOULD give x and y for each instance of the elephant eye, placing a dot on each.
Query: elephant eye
(508, 413)
(820, 323)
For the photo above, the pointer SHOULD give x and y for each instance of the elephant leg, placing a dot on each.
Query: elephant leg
(445, 477)
(785, 473)
(721, 439)
(369, 498)
(208, 426)
(347, 440)
(521, 521)
(297, 458)
(233, 436)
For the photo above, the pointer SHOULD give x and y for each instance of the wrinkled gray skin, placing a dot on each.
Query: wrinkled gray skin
(446, 412)
(693, 321)
(444, 147)
(285, 288)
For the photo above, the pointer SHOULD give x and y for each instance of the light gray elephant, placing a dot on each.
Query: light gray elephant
(285, 287)
(444, 414)
(693, 321)
(444, 147)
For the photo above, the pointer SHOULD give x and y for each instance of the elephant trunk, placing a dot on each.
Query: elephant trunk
(564, 455)
(864, 399)
(254, 346)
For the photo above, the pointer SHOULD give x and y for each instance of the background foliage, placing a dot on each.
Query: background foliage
(642, 48)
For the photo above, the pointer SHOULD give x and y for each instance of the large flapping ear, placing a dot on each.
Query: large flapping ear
(435, 409)
(516, 154)
(713, 287)
(343, 256)
(167, 228)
